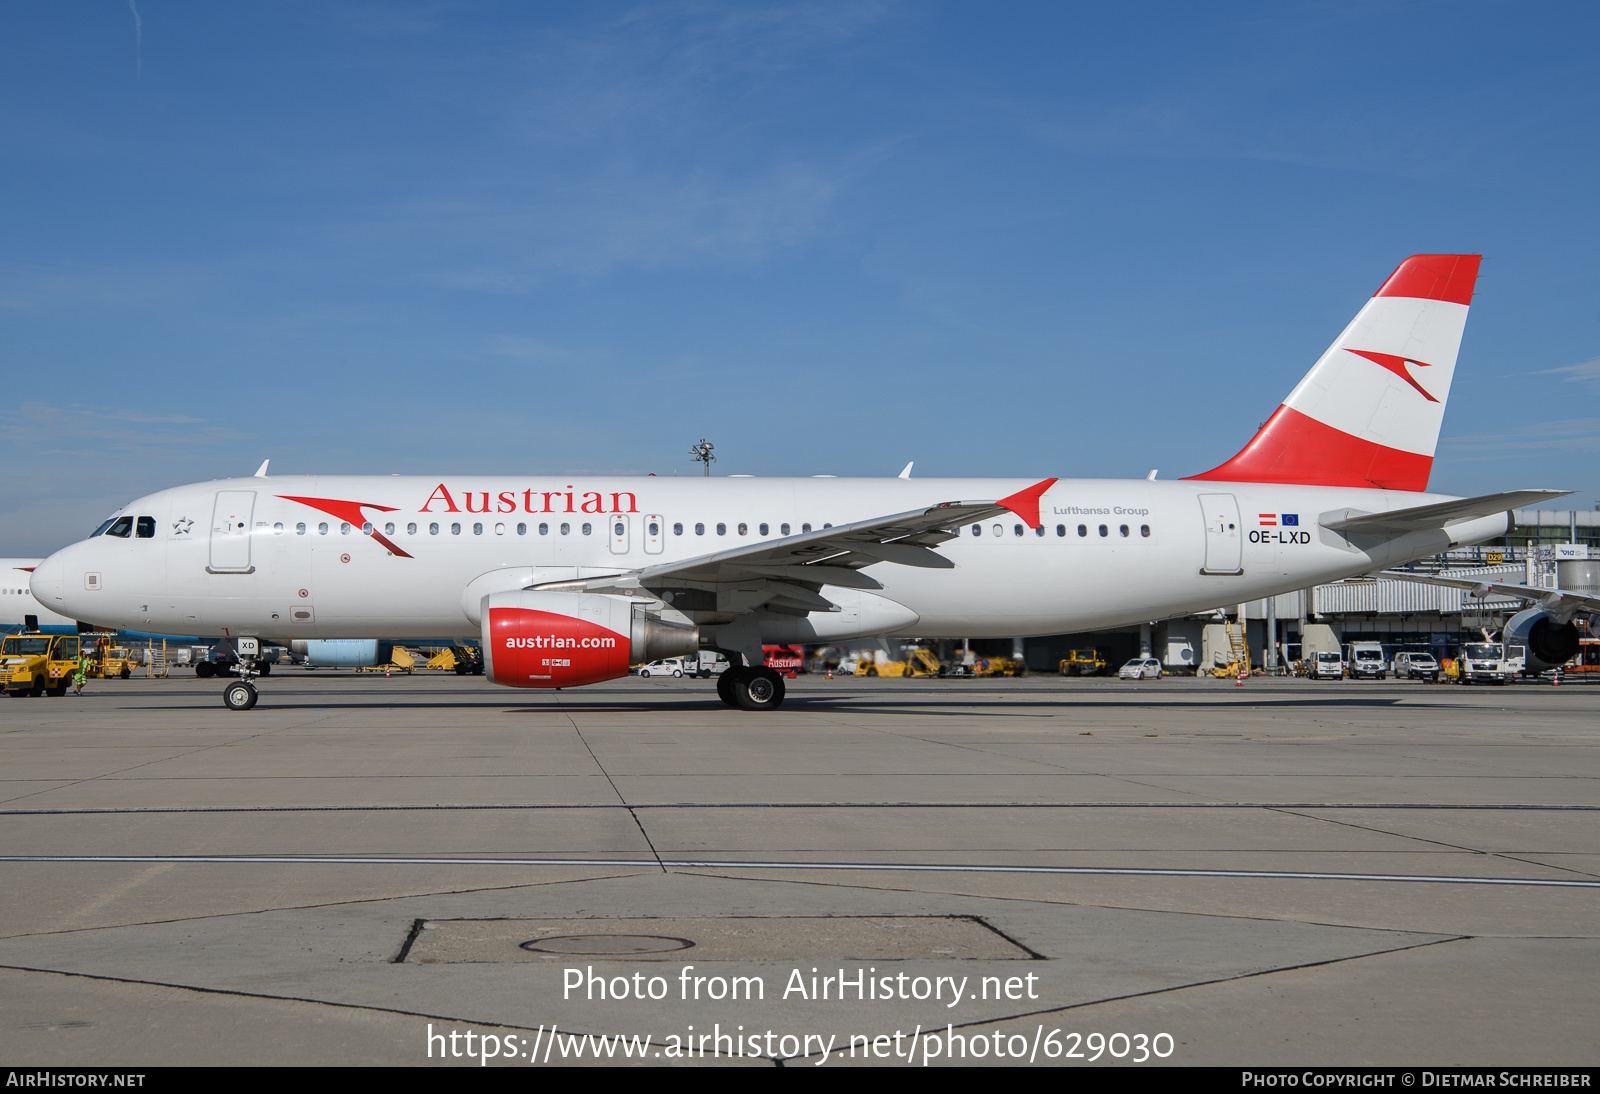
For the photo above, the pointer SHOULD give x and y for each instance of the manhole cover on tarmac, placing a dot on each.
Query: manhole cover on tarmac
(606, 945)
(755, 938)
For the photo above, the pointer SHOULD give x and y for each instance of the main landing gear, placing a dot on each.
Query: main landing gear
(751, 689)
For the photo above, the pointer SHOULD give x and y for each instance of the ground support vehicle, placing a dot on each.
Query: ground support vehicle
(32, 664)
(918, 662)
(1082, 663)
(675, 667)
(1325, 665)
(1485, 663)
(116, 661)
(787, 660)
(1366, 659)
(1414, 666)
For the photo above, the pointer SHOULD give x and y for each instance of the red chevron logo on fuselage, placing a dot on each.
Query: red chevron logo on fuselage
(1396, 365)
(350, 513)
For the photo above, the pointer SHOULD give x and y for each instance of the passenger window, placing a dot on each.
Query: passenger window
(655, 529)
(1144, 530)
(744, 529)
(455, 529)
(300, 529)
(366, 528)
(763, 529)
(588, 529)
(977, 529)
(722, 529)
(344, 528)
(544, 529)
(522, 529)
(1039, 531)
(433, 529)
(1016, 529)
(566, 529)
(827, 525)
(388, 529)
(618, 529)
(121, 527)
(146, 528)
(322, 528)
(1083, 529)
(998, 530)
(1061, 529)
(677, 529)
(783, 529)
(477, 529)
(1124, 531)
(804, 528)
(411, 529)
(1104, 531)
(277, 529)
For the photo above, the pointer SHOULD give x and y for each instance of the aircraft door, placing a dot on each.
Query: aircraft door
(230, 532)
(620, 527)
(1224, 536)
(655, 533)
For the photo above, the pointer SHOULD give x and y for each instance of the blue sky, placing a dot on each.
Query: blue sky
(1015, 239)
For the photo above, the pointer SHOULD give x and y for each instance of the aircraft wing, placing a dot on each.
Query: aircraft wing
(797, 566)
(1558, 602)
(1422, 517)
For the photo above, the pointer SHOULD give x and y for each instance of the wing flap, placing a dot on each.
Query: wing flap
(1422, 517)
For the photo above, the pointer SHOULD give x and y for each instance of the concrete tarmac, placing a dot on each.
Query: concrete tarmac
(883, 871)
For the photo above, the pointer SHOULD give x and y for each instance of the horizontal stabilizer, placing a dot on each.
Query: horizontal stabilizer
(1423, 517)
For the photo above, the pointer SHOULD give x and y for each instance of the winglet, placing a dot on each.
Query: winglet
(1025, 503)
(261, 472)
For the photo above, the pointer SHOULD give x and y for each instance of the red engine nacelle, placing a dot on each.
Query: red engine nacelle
(535, 639)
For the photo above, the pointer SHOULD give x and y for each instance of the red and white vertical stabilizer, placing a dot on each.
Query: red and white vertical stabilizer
(1368, 412)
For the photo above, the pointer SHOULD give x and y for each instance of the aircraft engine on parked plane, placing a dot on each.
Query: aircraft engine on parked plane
(535, 639)
(1550, 642)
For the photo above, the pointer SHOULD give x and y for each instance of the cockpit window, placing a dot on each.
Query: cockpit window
(120, 527)
(146, 528)
(100, 531)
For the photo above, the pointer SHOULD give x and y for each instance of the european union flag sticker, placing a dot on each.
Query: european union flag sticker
(1291, 520)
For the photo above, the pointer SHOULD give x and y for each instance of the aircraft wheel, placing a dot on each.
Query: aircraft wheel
(759, 689)
(240, 695)
(725, 687)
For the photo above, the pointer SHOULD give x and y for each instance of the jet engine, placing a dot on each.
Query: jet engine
(534, 639)
(1550, 642)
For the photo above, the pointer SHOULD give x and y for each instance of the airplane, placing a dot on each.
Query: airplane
(18, 609)
(1546, 629)
(569, 581)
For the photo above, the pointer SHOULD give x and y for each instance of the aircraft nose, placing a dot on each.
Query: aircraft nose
(45, 584)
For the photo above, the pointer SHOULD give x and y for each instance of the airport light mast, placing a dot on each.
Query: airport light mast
(701, 453)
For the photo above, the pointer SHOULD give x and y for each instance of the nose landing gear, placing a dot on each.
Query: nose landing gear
(241, 694)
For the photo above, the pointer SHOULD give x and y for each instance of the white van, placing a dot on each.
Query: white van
(1366, 659)
(1326, 665)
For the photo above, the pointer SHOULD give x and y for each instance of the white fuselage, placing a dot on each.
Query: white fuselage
(291, 569)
